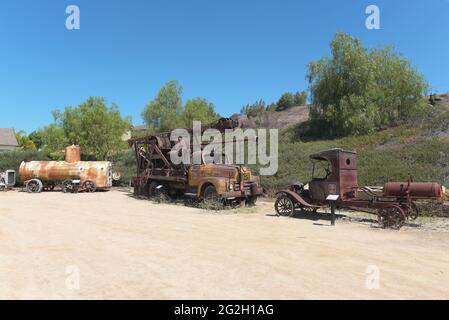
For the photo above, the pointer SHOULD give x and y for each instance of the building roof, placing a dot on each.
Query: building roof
(8, 137)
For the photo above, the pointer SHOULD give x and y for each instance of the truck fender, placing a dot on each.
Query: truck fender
(218, 183)
(296, 198)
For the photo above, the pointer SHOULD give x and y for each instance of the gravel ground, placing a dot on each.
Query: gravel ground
(109, 245)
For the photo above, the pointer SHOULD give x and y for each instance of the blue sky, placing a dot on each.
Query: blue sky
(231, 52)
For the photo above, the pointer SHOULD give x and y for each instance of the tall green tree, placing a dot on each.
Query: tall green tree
(24, 141)
(97, 128)
(52, 140)
(198, 109)
(357, 90)
(164, 112)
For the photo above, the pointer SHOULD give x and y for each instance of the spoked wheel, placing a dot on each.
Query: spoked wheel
(413, 211)
(391, 217)
(284, 206)
(34, 186)
(89, 186)
(68, 186)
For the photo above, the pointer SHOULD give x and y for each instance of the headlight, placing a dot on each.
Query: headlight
(231, 186)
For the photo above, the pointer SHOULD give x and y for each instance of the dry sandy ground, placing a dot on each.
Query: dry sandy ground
(120, 247)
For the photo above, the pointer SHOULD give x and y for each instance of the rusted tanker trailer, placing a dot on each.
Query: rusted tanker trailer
(71, 175)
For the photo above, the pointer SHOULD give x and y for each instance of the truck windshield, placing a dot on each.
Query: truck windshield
(321, 169)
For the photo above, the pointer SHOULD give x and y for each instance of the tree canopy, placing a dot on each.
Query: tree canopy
(24, 141)
(198, 109)
(162, 113)
(166, 111)
(359, 90)
(95, 127)
(289, 99)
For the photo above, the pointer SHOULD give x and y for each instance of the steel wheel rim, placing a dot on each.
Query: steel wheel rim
(90, 186)
(33, 186)
(284, 206)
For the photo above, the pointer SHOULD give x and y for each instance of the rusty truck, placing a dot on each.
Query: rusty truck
(156, 173)
(334, 173)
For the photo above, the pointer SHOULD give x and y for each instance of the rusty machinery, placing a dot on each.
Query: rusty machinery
(156, 172)
(71, 175)
(7, 179)
(335, 173)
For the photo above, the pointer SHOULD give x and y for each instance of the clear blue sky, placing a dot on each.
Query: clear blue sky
(231, 52)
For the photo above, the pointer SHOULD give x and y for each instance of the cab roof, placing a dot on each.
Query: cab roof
(329, 154)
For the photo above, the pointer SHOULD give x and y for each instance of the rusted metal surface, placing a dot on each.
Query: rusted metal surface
(416, 190)
(50, 173)
(297, 198)
(7, 179)
(342, 178)
(395, 204)
(99, 172)
(154, 167)
(73, 154)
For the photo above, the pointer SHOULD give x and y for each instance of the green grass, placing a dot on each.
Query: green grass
(390, 155)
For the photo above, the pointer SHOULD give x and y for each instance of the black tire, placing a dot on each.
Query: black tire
(210, 194)
(34, 186)
(284, 206)
(89, 186)
(391, 217)
(251, 201)
(154, 191)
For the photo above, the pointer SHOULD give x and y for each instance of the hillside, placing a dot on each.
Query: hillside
(277, 119)
(420, 150)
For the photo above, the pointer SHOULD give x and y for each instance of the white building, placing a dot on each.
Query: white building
(8, 141)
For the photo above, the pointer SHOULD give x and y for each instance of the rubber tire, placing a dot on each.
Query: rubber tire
(39, 183)
(251, 201)
(92, 187)
(210, 193)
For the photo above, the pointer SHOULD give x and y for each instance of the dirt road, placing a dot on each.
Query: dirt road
(109, 245)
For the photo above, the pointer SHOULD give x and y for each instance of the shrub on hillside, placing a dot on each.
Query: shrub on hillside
(359, 90)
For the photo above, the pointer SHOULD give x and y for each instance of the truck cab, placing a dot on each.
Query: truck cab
(334, 173)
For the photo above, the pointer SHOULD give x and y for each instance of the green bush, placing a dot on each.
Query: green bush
(12, 160)
(125, 164)
(358, 90)
(389, 155)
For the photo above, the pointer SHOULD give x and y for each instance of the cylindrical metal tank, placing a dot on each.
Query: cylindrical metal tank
(99, 172)
(416, 189)
(73, 154)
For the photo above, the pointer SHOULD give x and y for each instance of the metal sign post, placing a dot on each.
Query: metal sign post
(332, 199)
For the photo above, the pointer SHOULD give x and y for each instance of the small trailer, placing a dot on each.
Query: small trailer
(334, 174)
(7, 179)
